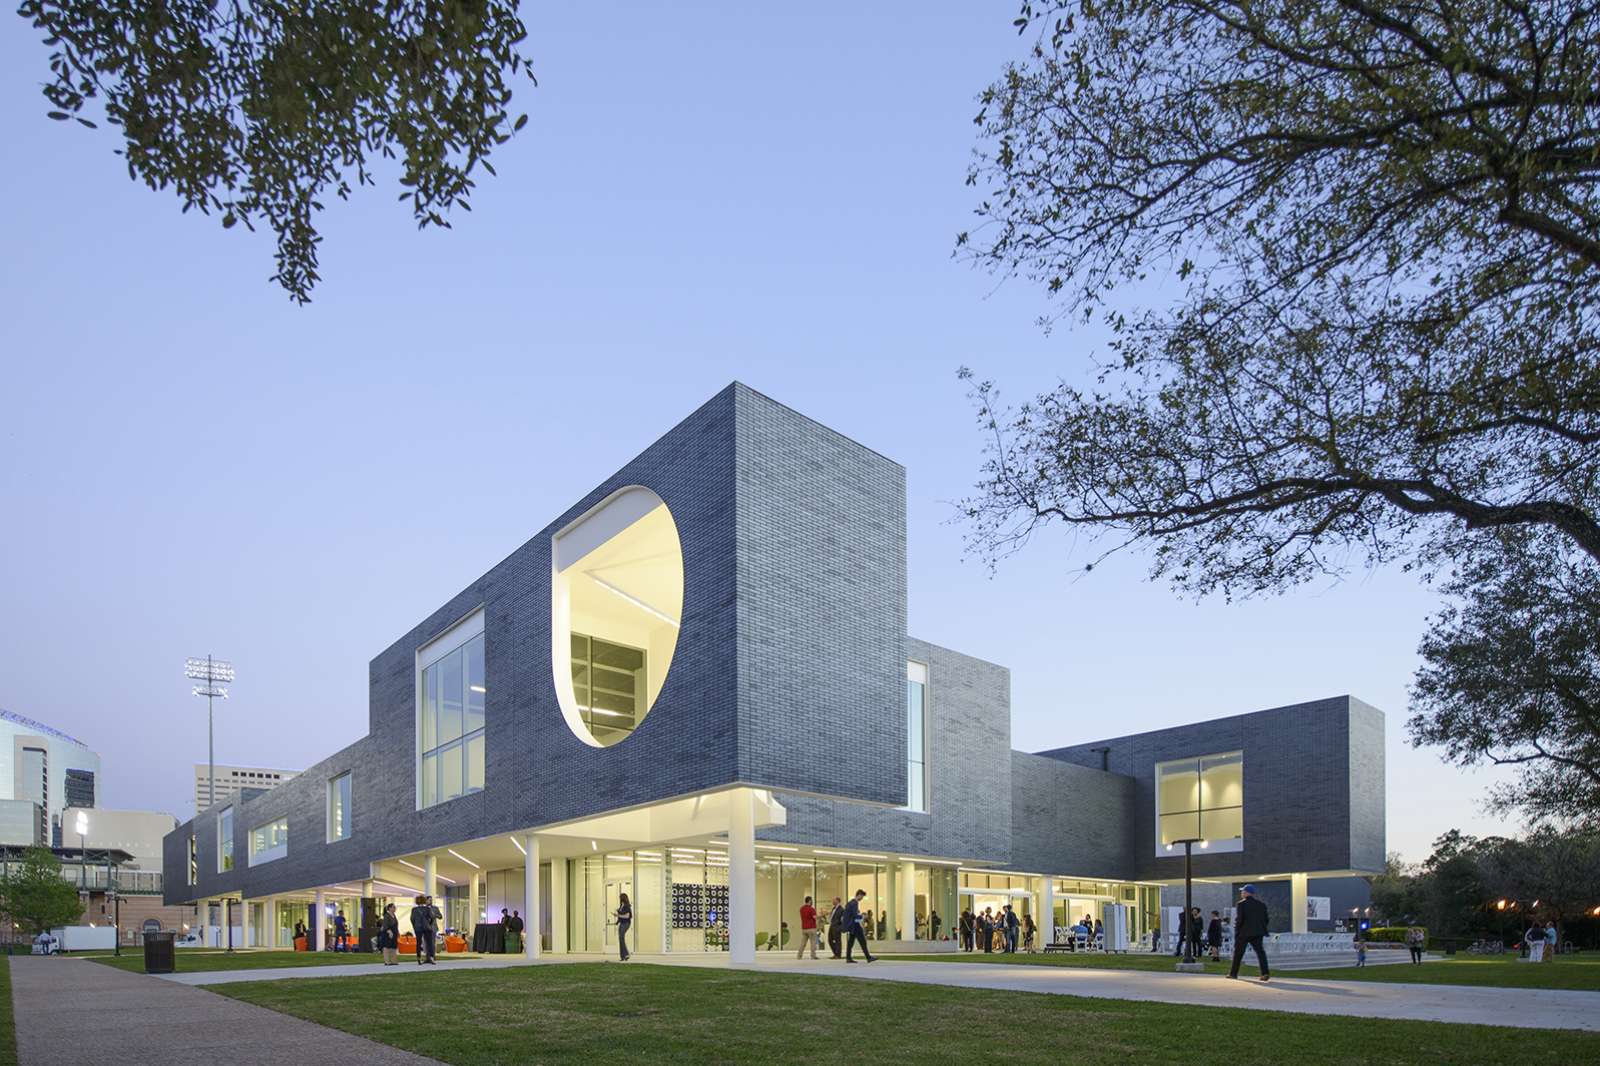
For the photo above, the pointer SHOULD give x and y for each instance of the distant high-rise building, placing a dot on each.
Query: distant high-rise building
(232, 779)
(43, 765)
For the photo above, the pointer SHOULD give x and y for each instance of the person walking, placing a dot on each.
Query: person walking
(389, 937)
(1029, 933)
(425, 926)
(624, 923)
(836, 928)
(964, 930)
(1416, 940)
(934, 922)
(1214, 936)
(339, 928)
(808, 929)
(1550, 937)
(1012, 925)
(1251, 929)
(853, 919)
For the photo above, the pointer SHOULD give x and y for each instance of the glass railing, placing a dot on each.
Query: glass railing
(128, 882)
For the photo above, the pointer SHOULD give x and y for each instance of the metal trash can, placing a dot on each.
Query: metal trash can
(160, 952)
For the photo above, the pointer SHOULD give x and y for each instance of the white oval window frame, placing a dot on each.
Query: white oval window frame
(583, 535)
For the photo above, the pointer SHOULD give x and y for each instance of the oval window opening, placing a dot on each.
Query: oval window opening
(616, 590)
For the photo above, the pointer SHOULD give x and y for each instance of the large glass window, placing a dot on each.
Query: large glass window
(339, 808)
(269, 841)
(609, 681)
(225, 840)
(451, 713)
(1201, 799)
(916, 737)
(616, 588)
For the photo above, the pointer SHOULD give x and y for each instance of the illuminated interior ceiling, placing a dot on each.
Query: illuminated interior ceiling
(617, 602)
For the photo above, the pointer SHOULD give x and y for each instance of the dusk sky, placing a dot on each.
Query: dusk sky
(190, 463)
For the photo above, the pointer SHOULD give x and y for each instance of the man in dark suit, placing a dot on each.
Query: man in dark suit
(1251, 928)
(836, 928)
(852, 926)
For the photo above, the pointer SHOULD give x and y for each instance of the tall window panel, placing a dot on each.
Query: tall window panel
(225, 840)
(451, 719)
(916, 736)
(339, 808)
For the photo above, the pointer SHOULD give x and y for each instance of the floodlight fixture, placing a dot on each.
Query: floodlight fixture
(214, 676)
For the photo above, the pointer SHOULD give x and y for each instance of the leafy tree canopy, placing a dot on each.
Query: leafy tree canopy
(34, 896)
(1376, 227)
(1511, 673)
(257, 111)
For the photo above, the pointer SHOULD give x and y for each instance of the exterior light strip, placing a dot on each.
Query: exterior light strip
(463, 858)
(424, 873)
(518, 843)
(775, 847)
(850, 854)
(636, 601)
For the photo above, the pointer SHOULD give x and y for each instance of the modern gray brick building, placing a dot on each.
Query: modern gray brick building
(696, 687)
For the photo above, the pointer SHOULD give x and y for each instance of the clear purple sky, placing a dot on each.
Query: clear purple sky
(191, 464)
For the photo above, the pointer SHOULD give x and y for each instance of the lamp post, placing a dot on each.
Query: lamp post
(1189, 964)
(214, 676)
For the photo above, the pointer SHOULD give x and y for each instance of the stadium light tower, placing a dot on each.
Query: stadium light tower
(213, 676)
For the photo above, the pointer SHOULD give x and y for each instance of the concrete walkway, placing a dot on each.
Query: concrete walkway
(1528, 1008)
(71, 1011)
(1517, 1007)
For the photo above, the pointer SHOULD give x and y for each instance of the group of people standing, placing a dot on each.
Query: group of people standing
(987, 930)
(847, 923)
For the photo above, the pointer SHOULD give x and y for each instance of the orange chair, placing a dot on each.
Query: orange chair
(454, 943)
(408, 944)
(300, 943)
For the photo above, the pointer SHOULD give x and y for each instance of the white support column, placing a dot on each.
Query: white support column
(1298, 884)
(558, 907)
(316, 926)
(741, 879)
(430, 877)
(530, 897)
(244, 922)
(270, 914)
(908, 900)
(1046, 919)
(474, 905)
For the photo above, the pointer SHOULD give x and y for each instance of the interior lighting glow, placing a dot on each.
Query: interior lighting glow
(636, 601)
(852, 854)
(477, 688)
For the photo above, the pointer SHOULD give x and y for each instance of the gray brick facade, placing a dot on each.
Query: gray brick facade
(1302, 767)
(789, 674)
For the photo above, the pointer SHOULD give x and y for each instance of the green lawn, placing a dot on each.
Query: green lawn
(8, 1023)
(195, 961)
(603, 1013)
(1580, 974)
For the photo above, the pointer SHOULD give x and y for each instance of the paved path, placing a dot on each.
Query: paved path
(71, 1011)
(1519, 1007)
(356, 969)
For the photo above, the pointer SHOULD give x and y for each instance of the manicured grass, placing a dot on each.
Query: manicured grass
(8, 1022)
(603, 1013)
(191, 960)
(1581, 974)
